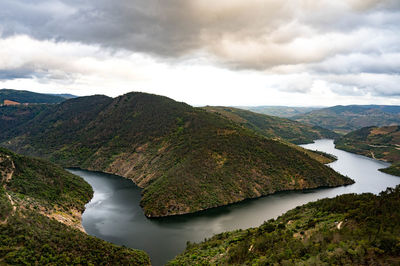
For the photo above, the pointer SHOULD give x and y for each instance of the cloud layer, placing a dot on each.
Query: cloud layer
(351, 46)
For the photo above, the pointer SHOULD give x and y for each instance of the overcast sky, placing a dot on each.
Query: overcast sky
(215, 52)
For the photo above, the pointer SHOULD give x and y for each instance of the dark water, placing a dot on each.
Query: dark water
(114, 213)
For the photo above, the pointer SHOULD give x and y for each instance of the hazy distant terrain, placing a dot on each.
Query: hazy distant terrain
(344, 119)
(281, 111)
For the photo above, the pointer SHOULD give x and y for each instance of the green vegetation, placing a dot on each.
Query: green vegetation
(32, 194)
(28, 97)
(274, 127)
(14, 116)
(185, 158)
(382, 143)
(343, 119)
(347, 230)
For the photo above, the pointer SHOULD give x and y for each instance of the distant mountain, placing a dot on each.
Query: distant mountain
(350, 229)
(274, 127)
(185, 158)
(28, 97)
(40, 214)
(280, 111)
(65, 95)
(343, 119)
(381, 143)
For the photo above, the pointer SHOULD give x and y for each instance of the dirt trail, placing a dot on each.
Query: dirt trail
(339, 226)
(5, 181)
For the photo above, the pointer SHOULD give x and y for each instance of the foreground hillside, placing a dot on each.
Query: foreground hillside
(185, 158)
(382, 143)
(344, 119)
(40, 209)
(347, 230)
(20, 96)
(274, 127)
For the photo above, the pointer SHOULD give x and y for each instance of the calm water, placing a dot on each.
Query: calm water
(114, 213)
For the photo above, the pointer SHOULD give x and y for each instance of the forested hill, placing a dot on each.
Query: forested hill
(347, 230)
(20, 96)
(382, 143)
(40, 210)
(274, 127)
(185, 158)
(344, 119)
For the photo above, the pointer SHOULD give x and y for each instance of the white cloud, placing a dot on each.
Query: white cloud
(230, 52)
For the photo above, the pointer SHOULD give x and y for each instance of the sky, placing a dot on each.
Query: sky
(206, 52)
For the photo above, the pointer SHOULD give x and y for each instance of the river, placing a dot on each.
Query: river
(114, 213)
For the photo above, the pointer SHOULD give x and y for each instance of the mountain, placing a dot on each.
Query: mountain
(28, 97)
(343, 119)
(382, 143)
(64, 95)
(13, 116)
(186, 159)
(274, 127)
(280, 111)
(40, 214)
(347, 230)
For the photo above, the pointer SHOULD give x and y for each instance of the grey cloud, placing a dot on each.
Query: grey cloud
(172, 28)
(336, 41)
(16, 74)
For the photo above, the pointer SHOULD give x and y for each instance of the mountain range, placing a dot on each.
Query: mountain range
(186, 159)
(343, 119)
(28, 97)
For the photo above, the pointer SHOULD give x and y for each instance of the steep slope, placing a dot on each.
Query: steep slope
(13, 116)
(185, 158)
(28, 97)
(40, 208)
(344, 119)
(280, 111)
(274, 127)
(347, 230)
(381, 143)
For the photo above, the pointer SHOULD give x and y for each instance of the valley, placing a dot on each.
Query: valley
(186, 159)
(114, 214)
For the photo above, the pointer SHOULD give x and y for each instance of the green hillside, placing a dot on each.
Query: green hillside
(40, 209)
(343, 119)
(185, 158)
(274, 127)
(28, 97)
(13, 116)
(347, 230)
(382, 143)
